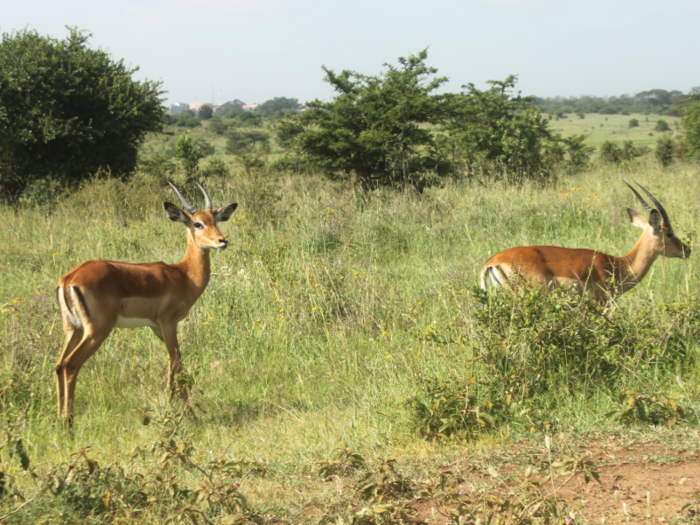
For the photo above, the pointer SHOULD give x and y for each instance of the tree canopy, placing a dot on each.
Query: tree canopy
(67, 111)
(375, 128)
(498, 130)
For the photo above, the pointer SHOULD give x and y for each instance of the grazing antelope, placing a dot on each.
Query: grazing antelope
(606, 276)
(98, 296)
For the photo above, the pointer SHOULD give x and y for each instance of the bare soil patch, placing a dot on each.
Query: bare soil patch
(647, 482)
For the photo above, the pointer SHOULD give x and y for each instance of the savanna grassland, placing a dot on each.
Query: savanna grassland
(343, 319)
(599, 128)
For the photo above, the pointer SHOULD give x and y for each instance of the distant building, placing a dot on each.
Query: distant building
(250, 107)
(176, 109)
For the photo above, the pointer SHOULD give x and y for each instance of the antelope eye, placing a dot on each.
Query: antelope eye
(198, 225)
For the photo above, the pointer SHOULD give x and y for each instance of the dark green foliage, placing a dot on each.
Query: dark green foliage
(691, 125)
(633, 123)
(216, 125)
(68, 111)
(635, 407)
(577, 151)
(189, 154)
(538, 338)
(496, 129)
(444, 411)
(215, 167)
(344, 462)
(205, 112)
(384, 483)
(278, 106)
(230, 109)
(665, 151)
(610, 152)
(186, 120)
(249, 146)
(250, 119)
(630, 151)
(662, 125)
(658, 101)
(375, 128)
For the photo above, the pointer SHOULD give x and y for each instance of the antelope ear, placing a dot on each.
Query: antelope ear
(637, 220)
(656, 221)
(224, 214)
(175, 213)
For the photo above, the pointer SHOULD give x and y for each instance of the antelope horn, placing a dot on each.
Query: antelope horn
(660, 208)
(207, 200)
(644, 203)
(186, 204)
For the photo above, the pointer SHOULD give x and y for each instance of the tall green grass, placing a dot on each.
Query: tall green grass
(324, 317)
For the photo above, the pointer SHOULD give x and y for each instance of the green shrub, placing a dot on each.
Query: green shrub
(665, 151)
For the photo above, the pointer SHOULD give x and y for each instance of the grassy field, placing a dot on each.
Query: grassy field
(326, 320)
(599, 128)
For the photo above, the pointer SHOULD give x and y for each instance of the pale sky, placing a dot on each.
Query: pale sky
(257, 50)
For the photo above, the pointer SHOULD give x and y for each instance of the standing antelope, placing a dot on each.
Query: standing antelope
(606, 276)
(98, 296)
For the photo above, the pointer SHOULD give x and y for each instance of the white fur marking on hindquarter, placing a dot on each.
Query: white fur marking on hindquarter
(68, 314)
(493, 277)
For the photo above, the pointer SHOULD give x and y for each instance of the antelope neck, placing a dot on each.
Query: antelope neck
(196, 264)
(638, 261)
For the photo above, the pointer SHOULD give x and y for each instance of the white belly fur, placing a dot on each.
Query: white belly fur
(134, 322)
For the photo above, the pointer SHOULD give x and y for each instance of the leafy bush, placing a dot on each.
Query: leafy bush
(250, 147)
(67, 111)
(665, 151)
(537, 339)
(691, 124)
(445, 411)
(633, 123)
(662, 125)
(635, 407)
(497, 129)
(577, 151)
(189, 154)
(186, 120)
(610, 152)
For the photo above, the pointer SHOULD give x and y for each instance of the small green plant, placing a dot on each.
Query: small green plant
(344, 462)
(692, 508)
(443, 410)
(383, 484)
(633, 123)
(658, 409)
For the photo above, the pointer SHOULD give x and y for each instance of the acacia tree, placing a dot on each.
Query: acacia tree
(497, 130)
(375, 127)
(67, 111)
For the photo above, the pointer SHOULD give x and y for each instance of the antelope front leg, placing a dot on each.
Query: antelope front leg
(175, 359)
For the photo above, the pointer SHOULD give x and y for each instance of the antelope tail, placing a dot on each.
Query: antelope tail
(492, 276)
(72, 305)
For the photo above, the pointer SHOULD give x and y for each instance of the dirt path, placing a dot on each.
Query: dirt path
(639, 483)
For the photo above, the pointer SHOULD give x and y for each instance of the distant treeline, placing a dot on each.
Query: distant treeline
(655, 101)
(275, 108)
